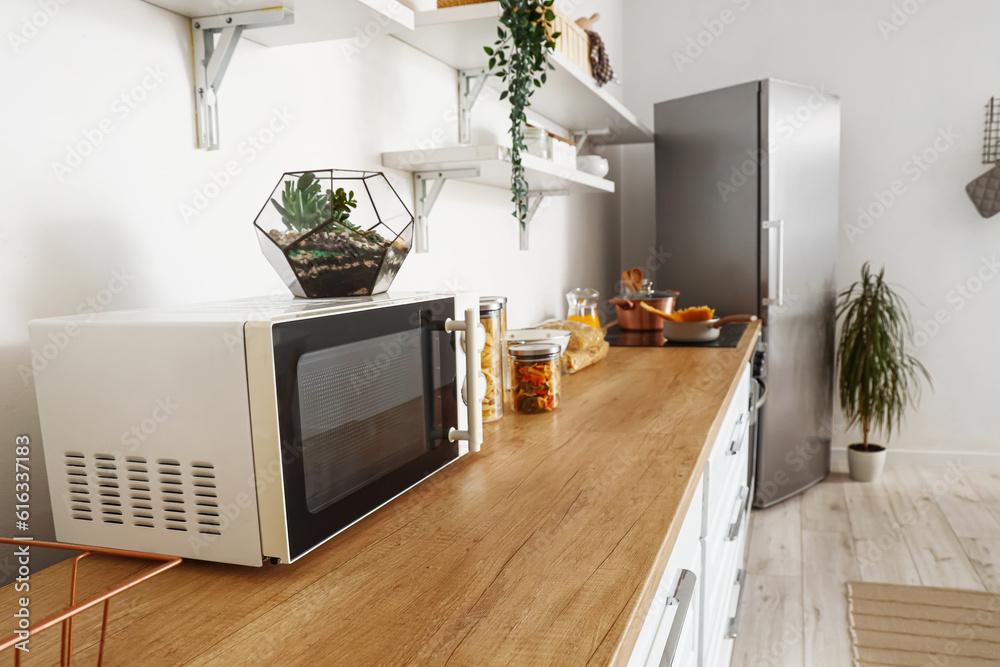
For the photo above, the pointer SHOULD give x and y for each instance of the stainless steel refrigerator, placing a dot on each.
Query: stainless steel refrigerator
(746, 207)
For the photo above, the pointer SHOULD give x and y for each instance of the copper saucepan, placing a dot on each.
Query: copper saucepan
(632, 317)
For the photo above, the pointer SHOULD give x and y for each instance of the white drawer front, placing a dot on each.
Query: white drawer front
(722, 593)
(674, 613)
(729, 454)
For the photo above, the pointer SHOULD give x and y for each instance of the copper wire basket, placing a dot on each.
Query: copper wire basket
(65, 616)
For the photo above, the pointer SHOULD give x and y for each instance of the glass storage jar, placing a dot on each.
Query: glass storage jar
(535, 377)
(538, 142)
(502, 300)
(490, 316)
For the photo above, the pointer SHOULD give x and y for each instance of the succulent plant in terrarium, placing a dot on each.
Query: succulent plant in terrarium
(329, 242)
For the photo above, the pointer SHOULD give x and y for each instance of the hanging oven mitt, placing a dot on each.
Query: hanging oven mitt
(985, 192)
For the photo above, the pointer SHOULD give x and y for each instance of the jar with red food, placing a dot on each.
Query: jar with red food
(535, 377)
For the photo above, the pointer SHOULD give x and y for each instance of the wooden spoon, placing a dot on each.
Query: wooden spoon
(636, 276)
(627, 281)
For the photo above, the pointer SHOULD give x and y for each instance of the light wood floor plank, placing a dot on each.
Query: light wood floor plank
(776, 546)
(985, 557)
(937, 553)
(868, 509)
(968, 515)
(771, 631)
(831, 563)
(824, 507)
(886, 560)
(899, 530)
(986, 482)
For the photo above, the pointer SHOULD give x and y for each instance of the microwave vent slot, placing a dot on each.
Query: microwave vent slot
(140, 500)
(172, 494)
(108, 488)
(164, 494)
(78, 491)
(206, 498)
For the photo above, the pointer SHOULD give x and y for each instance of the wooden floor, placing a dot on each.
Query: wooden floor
(931, 526)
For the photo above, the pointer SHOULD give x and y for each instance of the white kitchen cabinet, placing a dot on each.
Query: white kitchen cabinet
(670, 633)
(695, 612)
(724, 530)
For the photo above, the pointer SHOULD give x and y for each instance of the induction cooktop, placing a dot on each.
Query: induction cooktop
(729, 337)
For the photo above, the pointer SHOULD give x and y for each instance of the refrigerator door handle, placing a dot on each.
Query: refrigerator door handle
(776, 282)
(762, 396)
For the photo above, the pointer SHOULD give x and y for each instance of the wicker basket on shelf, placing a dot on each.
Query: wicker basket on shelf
(457, 3)
(572, 41)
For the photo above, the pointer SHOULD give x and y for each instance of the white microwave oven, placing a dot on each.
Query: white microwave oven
(251, 431)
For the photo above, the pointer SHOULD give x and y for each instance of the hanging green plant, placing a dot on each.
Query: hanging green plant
(520, 58)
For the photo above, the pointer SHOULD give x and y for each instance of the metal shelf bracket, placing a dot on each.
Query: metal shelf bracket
(580, 137)
(535, 200)
(211, 59)
(426, 188)
(470, 84)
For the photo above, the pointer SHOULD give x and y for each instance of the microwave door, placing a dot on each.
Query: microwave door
(366, 402)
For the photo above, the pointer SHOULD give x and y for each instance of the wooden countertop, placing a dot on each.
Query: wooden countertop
(545, 548)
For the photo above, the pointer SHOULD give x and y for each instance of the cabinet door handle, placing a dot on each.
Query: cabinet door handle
(736, 442)
(737, 525)
(734, 622)
(683, 595)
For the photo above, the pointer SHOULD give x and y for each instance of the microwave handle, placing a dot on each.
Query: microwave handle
(471, 329)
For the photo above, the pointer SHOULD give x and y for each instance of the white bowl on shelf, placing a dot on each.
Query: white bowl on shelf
(593, 164)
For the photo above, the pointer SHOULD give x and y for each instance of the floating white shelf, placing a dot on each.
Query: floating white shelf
(493, 163)
(315, 20)
(487, 165)
(570, 97)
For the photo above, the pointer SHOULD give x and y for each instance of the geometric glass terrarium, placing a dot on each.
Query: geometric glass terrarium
(335, 232)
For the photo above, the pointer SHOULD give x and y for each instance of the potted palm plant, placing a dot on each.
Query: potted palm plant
(879, 379)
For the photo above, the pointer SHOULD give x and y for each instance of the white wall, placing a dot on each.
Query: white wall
(112, 232)
(904, 80)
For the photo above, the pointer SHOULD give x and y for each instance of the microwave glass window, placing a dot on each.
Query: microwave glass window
(361, 413)
(365, 403)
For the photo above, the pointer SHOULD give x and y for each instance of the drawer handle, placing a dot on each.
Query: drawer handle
(737, 525)
(736, 443)
(734, 622)
(682, 596)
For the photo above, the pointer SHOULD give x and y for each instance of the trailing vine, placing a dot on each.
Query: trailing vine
(520, 59)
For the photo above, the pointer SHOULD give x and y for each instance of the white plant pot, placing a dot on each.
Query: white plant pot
(866, 466)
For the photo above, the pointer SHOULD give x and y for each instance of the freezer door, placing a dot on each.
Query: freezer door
(707, 165)
(800, 127)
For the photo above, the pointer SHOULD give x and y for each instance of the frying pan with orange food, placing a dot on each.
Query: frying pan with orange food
(695, 325)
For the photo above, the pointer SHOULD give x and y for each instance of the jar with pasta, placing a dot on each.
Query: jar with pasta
(502, 301)
(492, 360)
(535, 377)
